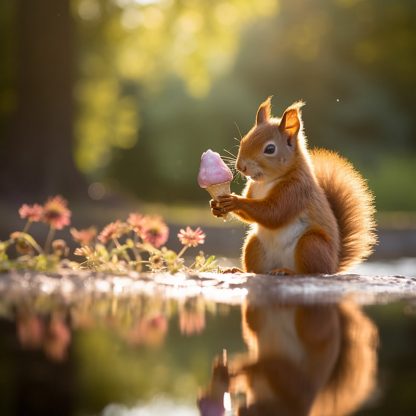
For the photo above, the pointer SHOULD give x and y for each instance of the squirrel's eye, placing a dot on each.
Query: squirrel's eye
(270, 149)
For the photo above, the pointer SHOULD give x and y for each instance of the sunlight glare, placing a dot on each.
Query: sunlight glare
(227, 402)
(89, 10)
(124, 3)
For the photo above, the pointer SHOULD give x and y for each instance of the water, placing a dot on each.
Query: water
(174, 346)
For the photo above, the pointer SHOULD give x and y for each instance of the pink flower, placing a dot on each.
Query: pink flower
(150, 331)
(190, 237)
(137, 222)
(32, 213)
(85, 236)
(30, 331)
(191, 322)
(56, 213)
(155, 231)
(113, 230)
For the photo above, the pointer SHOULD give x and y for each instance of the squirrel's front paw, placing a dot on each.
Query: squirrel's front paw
(215, 209)
(227, 203)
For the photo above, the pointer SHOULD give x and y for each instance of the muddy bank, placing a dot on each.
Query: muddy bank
(222, 288)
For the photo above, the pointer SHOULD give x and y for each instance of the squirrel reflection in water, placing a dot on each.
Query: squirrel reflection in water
(317, 360)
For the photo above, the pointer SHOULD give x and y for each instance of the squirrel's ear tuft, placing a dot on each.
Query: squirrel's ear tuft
(264, 111)
(291, 121)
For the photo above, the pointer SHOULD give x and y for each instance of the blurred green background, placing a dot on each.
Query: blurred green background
(104, 97)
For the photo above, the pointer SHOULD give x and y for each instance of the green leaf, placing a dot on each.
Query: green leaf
(4, 245)
(29, 239)
(210, 260)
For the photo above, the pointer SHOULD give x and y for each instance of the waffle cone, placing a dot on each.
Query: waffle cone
(219, 189)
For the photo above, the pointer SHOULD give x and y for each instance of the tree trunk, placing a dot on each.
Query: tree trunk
(37, 152)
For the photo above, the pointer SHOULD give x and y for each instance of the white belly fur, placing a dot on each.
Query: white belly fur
(279, 335)
(279, 245)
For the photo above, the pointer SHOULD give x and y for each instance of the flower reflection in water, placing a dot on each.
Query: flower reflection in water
(52, 335)
(192, 316)
(137, 321)
(150, 331)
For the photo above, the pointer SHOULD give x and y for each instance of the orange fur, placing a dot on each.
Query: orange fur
(253, 250)
(351, 202)
(353, 378)
(314, 253)
(309, 212)
(332, 373)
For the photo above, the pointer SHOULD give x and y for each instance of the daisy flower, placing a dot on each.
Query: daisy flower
(32, 213)
(60, 248)
(156, 262)
(137, 222)
(111, 231)
(56, 213)
(155, 231)
(85, 236)
(190, 237)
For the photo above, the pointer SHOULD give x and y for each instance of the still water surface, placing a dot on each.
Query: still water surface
(155, 355)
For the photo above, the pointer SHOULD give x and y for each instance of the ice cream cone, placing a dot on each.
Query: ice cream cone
(219, 189)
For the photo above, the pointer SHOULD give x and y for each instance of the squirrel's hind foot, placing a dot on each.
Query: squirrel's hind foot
(231, 270)
(282, 272)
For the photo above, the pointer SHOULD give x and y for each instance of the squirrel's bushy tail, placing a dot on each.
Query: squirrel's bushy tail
(352, 203)
(353, 378)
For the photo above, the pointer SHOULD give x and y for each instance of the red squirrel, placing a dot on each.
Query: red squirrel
(310, 211)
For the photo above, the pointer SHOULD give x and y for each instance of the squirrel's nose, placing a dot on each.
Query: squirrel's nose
(242, 167)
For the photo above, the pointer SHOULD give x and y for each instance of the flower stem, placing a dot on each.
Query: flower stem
(123, 252)
(135, 241)
(27, 226)
(49, 238)
(182, 252)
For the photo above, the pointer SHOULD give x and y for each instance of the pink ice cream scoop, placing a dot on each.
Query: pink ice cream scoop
(213, 170)
(214, 175)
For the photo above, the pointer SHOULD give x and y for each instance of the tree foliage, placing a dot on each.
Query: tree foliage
(351, 61)
(129, 47)
(159, 81)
